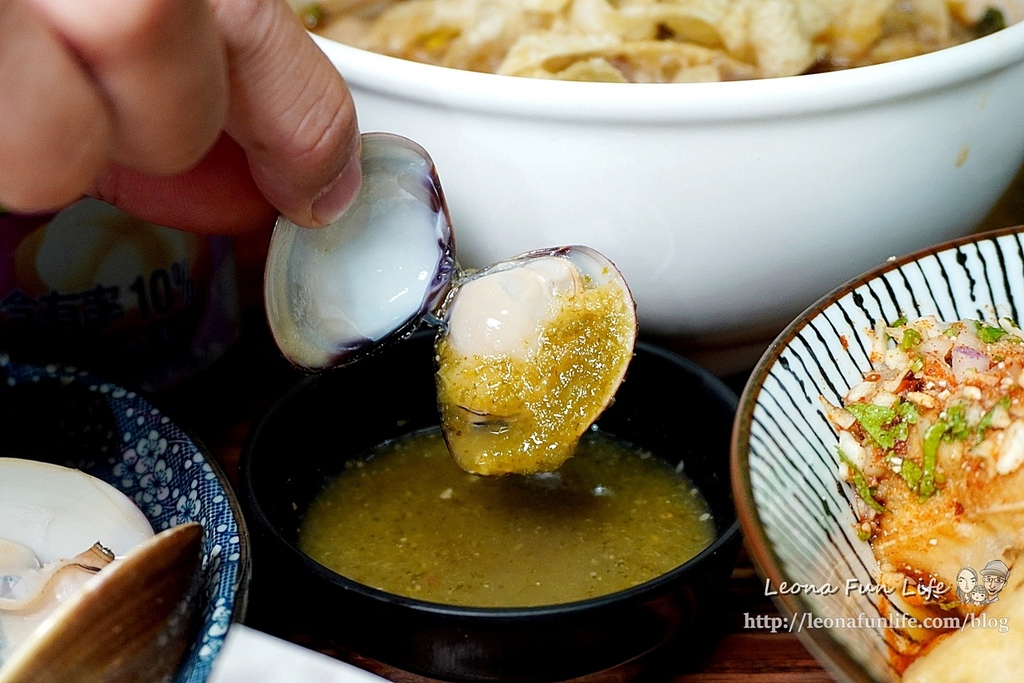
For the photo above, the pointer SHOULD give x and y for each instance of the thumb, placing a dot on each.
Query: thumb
(290, 111)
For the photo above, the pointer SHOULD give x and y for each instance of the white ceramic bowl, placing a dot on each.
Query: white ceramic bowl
(729, 207)
(797, 519)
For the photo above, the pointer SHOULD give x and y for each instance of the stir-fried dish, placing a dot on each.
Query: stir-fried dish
(654, 41)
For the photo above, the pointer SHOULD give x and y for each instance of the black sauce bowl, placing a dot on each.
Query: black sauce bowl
(666, 404)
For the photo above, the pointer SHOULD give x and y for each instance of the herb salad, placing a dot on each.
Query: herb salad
(931, 443)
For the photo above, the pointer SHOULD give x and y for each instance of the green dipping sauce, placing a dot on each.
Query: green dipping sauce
(408, 521)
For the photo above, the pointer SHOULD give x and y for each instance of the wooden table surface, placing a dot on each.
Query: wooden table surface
(220, 406)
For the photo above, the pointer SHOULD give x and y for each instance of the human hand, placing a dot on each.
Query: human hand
(206, 115)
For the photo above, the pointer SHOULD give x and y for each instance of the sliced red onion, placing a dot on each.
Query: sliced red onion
(967, 360)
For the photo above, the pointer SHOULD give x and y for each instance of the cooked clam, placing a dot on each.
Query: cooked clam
(530, 350)
(51, 518)
(128, 623)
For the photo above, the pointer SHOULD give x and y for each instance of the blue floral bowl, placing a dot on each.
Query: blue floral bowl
(70, 417)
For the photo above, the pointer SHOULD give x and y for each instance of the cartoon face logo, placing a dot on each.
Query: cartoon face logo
(966, 581)
(981, 588)
(994, 576)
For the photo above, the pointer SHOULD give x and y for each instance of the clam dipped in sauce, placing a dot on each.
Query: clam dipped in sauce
(528, 353)
(533, 351)
(529, 350)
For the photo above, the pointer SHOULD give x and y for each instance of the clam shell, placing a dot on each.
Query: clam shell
(57, 512)
(388, 265)
(334, 294)
(50, 514)
(531, 352)
(130, 622)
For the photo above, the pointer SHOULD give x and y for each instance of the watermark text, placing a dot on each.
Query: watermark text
(806, 621)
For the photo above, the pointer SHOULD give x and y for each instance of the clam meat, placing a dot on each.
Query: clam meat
(529, 351)
(58, 528)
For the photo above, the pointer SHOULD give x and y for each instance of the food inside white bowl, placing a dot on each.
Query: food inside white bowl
(729, 207)
(645, 41)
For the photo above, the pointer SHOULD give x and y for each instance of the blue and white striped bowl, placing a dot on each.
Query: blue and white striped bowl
(796, 516)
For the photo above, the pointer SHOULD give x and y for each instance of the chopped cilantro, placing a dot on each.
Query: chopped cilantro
(930, 449)
(926, 477)
(908, 413)
(874, 420)
(989, 333)
(986, 420)
(956, 423)
(860, 483)
(910, 472)
(885, 425)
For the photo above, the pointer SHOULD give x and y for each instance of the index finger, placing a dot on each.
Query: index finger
(159, 65)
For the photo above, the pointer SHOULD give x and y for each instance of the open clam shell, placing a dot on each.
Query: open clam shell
(337, 293)
(531, 352)
(50, 519)
(57, 512)
(129, 622)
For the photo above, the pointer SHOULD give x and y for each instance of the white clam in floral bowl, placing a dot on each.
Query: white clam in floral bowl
(799, 520)
(69, 417)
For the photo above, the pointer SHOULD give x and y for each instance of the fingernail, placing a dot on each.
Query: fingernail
(339, 195)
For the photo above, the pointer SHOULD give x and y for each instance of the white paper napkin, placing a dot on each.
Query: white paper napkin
(251, 656)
